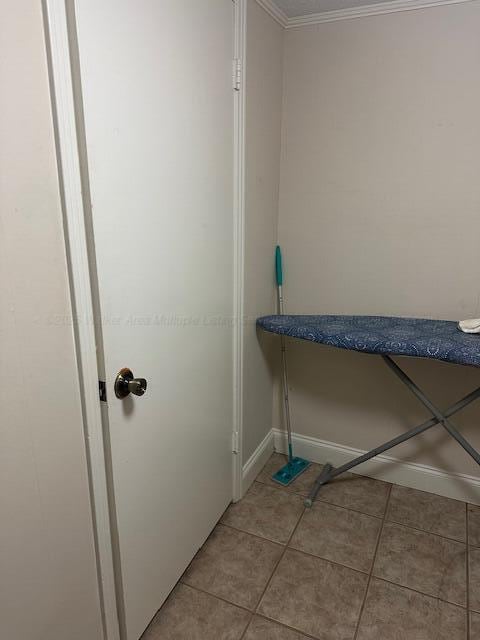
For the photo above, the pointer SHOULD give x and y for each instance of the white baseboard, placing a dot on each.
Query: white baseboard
(257, 461)
(408, 474)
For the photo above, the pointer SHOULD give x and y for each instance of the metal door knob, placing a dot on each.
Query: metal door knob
(125, 383)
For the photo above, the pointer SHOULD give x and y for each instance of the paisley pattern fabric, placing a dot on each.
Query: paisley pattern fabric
(437, 339)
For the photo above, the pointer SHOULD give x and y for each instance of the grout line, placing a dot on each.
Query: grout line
(280, 559)
(253, 612)
(286, 546)
(247, 627)
(217, 597)
(339, 564)
(384, 521)
(318, 499)
(428, 533)
(249, 611)
(421, 593)
(467, 560)
(362, 608)
(273, 572)
(301, 551)
(470, 544)
(254, 535)
(367, 573)
(285, 626)
(334, 562)
(371, 515)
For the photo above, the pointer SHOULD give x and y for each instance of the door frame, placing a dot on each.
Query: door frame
(68, 126)
(240, 54)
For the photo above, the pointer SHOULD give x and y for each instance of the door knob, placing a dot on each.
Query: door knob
(125, 383)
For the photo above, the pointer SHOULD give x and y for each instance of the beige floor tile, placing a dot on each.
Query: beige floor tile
(266, 512)
(337, 534)
(474, 525)
(474, 626)
(474, 571)
(233, 565)
(315, 596)
(348, 490)
(262, 629)
(395, 613)
(357, 492)
(191, 615)
(422, 561)
(318, 587)
(428, 512)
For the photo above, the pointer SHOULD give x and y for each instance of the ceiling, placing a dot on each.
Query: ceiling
(296, 8)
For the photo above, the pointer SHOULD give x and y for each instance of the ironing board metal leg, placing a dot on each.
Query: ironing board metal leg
(432, 408)
(462, 442)
(328, 472)
(323, 478)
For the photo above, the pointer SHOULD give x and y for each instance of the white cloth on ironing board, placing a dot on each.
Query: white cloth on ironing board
(470, 326)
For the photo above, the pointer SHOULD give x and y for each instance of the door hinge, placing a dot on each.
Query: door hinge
(235, 443)
(237, 74)
(102, 390)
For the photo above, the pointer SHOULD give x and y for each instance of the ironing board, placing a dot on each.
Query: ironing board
(386, 337)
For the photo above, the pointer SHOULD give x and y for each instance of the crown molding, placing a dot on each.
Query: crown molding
(377, 9)
(367, 10)
(276, 13)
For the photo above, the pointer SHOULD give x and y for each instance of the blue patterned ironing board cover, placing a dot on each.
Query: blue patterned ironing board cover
(383, 335)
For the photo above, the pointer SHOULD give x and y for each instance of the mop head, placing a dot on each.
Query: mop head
(290, 471)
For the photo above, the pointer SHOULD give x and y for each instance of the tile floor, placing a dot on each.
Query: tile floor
(369, 561)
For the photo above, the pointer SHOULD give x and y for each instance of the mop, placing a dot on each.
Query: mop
(295, 466)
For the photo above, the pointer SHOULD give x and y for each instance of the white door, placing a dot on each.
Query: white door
(156, 78)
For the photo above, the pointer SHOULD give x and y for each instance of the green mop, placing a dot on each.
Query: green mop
(295, 466)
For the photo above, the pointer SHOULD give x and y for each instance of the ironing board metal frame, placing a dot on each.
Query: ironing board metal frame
(328, 472)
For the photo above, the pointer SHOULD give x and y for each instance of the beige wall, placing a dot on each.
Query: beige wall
(263, 121)
(48, 585)
(380, 212)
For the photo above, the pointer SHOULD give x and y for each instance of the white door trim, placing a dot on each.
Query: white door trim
(62, 94)
(63, 102)
(239, 245)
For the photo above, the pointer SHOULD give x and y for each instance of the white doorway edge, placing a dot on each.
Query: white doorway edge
(58, 45)
(239, 246)
(57, 37)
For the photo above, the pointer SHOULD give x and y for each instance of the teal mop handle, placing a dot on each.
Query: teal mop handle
(278, 266)
(279, 277)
